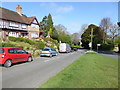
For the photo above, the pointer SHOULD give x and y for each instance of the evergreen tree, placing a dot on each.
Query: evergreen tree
(97, 36)
(47, 25)
(43, 25)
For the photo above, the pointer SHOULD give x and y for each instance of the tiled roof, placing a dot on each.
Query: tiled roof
(9, 15)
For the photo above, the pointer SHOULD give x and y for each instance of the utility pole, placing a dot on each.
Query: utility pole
(91, 38)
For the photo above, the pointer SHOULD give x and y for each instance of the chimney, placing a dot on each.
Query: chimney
(19, 9)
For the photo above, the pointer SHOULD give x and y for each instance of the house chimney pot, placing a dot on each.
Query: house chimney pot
(19, 9)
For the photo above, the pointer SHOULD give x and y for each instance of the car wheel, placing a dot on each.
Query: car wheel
(56, 54)
(30, 59)
(50, 55)
(8, 63)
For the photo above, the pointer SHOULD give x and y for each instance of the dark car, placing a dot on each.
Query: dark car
(74, 48)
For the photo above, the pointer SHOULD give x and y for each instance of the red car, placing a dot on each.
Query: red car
(9, 55)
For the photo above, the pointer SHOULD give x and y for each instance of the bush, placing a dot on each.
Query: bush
(7, 44)
(39, 45)
(20, 39)
(55, 42)
(106, 47)
(36, 44)
(12, 38)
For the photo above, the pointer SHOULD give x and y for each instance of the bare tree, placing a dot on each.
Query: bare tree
(113, 31)
(61, 29)
(105, 25)
(75, 38)
(83, 28)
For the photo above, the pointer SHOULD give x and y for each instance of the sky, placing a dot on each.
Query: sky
(70, 14)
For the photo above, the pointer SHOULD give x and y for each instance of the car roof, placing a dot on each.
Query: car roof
(47, 48)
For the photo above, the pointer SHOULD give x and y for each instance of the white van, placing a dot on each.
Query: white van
(64, 47)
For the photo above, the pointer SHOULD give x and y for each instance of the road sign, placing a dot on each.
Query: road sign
(90, 44)
(98, 44)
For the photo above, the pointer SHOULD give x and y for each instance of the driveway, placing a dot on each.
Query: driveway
(33, 74)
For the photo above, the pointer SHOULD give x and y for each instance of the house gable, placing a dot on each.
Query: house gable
(34, 21)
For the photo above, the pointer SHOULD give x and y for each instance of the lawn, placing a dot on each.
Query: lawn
(91, 70)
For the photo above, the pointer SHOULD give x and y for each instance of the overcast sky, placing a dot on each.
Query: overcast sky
(70, 14)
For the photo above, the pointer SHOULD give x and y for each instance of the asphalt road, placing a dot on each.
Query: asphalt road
(116, 56)
(110, 54)
(33, 74)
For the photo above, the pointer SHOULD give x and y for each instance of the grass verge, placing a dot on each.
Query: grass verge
(91, 70)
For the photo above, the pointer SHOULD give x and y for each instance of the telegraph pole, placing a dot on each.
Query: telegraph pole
(91, 38)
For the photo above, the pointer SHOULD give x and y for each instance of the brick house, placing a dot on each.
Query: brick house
(17, 24)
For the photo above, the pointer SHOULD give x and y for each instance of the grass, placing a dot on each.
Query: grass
(91, 70)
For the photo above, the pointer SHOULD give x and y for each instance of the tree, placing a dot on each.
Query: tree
(63, 35)
(61, 29)
(47, 25)
(83, 28)
(105, 26)
(65, 38)
(75, 38)
(54, 34)
(113, 32)
(43, 25)
(97, 36)
(49, 22)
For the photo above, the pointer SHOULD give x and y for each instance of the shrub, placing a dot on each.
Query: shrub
(12, 38)
(7, 44)
(55, 42)
(106, 47)
(36, 44)
(39, 45)
(20, 39)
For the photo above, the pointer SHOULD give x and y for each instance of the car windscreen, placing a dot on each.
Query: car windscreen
(46, 49)
(1, 50)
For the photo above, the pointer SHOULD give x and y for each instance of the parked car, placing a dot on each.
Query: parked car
(64, 47)
(74, 48)
(9, 55)
(49, 52)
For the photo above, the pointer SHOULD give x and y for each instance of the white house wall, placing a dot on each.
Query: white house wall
(12, 25)
(33, 29)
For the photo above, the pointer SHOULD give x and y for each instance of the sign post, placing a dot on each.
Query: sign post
(91, 39)
(98, 46)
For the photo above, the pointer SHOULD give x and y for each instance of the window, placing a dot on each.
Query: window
(14, 34)
(1, 22)
(45, 49)
(53, 49)
(16, 51)
(34, 35)
(24, 26)
(11, 51)
(13, 24)
(20, 51)
(1, 50)
(33, 25)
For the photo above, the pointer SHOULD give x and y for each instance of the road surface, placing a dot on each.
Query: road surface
(110, 54)
(33, 74)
